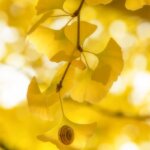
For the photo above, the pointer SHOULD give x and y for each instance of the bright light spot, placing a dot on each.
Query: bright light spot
(16, 60)
(141, 87)
(129, 146)
(145, 145)
(118, 31)
(13, 86)
(98, 30)
(140, 62)
(2, 49)
(8, 34)
(119, 86)
(143, 30)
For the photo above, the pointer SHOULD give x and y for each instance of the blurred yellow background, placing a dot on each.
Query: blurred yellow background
(123, 122)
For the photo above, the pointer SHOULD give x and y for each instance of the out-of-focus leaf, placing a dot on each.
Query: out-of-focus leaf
(85, 89)
(51, 42)
(43, 17)
(79, 134)
(136, 4)
(86, 29)
(110, 65)
(39, 102)
(47, 5)
(41, 20)
(96, 2)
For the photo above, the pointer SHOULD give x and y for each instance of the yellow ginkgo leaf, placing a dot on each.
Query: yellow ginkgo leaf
(85, 89)
(97, 44)
(43, 17)
(136, 4)
(86, 29)
(110, 65)
(40, 102)
(92, 85)
(90, 60)
(67, 135)
(79, 63)
(96, 2)
(50, 42)
(62, 56)
(44, 104)
(47, 5)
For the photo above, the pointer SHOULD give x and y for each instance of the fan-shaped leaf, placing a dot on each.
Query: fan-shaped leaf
(85, 30)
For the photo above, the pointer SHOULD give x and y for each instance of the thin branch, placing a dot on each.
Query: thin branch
(59, 85)
(77, 13)
(79, 9)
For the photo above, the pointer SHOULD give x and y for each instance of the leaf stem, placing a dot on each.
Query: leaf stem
(77, 13)
(61, 104)
(60, 84)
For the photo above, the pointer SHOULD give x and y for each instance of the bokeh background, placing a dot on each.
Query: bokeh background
(123, 114)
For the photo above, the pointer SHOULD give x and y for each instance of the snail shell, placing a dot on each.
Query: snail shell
(66, 135)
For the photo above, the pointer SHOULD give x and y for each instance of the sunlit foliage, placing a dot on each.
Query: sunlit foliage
(74, 74)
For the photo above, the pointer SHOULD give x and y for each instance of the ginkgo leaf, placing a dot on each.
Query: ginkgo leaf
(62, 56)
(40, 102)
(85, 30)
(92, 85)
(97, 44)
(39, 21)
(51, 42)
(136, 4)
(96, 2)
(45, 16)
(110, 65)
(67, 135)
(79, 63)
(47, 5)
(45, 104)
(85, 89)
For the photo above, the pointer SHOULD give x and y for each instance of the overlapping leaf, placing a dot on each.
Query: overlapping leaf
(86, 29)
(50, 42)
(82, 132)
(43, 17)
(92, 85)
(40, 102)
(44, 104)
(56, 46)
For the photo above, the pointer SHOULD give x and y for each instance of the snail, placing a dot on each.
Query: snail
(66, 135)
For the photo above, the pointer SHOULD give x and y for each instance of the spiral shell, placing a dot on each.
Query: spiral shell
(66, 135)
